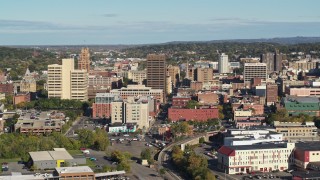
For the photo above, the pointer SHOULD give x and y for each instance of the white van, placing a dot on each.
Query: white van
(86, 151)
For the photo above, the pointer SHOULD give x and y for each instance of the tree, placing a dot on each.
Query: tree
(162, 172)
(201, 140)
(146, 154)
(192, 104)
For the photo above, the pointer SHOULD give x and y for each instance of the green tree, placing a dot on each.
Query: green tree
(147, 154)
(201, 140)
(192, 104)
(162, 172)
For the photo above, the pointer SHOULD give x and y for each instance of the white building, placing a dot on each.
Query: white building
(254, 70)
(249, 137)
(259, 157)
(223, 64)
(131, 111)
(138, 91)
(65, 82)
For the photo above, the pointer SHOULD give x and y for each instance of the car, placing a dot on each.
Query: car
(93, 159)
(258, 177)
(126, 135)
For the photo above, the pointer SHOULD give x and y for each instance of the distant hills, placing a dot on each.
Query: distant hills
(278, 40)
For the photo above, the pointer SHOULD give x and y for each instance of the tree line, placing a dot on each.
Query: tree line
(11, 143)
(195, 166)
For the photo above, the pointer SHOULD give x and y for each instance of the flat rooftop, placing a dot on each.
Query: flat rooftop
(50, 155)
(259, 146)
(308, 146)
(308, 99)
(76, 169)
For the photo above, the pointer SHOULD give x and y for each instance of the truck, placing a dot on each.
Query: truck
(86, 151)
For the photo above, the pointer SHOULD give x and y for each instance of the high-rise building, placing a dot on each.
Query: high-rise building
(174, 73)
(277, 61)
(156, 71)
(254, 70)
(84, 59)
(223, 63)
(268, 58)
(65, 82)
(273, 61)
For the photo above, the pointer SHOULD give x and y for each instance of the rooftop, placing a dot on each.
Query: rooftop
(58, 153)
(308, 146)
(297, 99)
(76, 169)
(259, 146)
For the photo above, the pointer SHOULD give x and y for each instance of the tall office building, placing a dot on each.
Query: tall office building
(273, 61)
(65, 82)
(268, 58)
(156, 71)
(223, 63)
(84, 60)
(277, 61)
(254, 70)
(174, 73)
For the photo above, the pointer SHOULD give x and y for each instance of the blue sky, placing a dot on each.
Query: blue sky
(65, 22)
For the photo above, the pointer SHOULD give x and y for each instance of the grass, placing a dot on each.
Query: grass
(90, 163)
(75, 152)
(10, 160)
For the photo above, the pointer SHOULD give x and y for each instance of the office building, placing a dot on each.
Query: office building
(131, 111)
(84, 60)
(203, 75)
(254, 70)
(268, 58)
(223, 64)
(101, 108)
(65, 82)
(137, 91)
(257, 157)
(295, 131)
(156, 72)
(273, 61)
(137, 76)
(174, 73)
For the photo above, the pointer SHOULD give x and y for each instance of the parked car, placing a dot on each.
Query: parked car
(126, 135)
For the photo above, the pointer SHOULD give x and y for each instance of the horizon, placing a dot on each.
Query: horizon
(80, 22)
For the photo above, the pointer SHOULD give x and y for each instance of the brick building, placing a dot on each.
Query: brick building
(196, 85)
(20, 98)
(180, 101)
(202, 114)
(208, 98)
(6, 88)
(271, 94)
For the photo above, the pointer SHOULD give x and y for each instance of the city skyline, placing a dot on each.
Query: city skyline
(143, 22)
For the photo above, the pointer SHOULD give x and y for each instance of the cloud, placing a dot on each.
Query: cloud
(110, 15)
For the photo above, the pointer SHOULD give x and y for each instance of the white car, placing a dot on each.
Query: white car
(126, 135)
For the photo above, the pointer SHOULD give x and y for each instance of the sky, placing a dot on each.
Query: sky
(80, 22)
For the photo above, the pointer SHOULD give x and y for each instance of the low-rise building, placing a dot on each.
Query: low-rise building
(21, 98)
(258, 157)
(202, 114)
(138, 90)
(307, 155)
(295, 131)
(235, 137)
(302, 105)
(77, 172)
(208, 98)
(56, 158)
(302, 91)
(180, 101)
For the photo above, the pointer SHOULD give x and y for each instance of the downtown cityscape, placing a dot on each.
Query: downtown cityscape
(183, 90)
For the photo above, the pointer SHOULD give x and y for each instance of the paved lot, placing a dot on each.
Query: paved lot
(134, 148)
